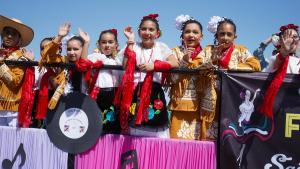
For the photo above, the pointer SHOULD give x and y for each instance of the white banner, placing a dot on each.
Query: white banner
(29, 148)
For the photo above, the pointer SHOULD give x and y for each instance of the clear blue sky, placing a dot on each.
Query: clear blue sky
(255, 19)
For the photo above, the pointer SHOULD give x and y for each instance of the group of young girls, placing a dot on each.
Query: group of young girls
(133, 101)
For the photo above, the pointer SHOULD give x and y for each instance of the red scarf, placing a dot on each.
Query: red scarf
(142, 114)
(42, 106)
(27, 98)
(6, 51)
(124, 94)
(224, 60)
(197, 50)
(270, 95)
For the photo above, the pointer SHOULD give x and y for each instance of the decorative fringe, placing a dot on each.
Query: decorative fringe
(27, 98)
(124, 94)
(55, 98)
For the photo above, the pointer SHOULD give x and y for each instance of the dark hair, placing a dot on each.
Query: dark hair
(78, 38)
(108, 31)
(188, 22)
(43, 40)
(226, 20)
(150, 19)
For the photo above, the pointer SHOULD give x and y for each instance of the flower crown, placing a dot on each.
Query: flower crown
(181, 20)
(276, 37)
(151, 16)
(289, 26)
(213, 23)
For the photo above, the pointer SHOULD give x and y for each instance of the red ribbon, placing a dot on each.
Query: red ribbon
(115, 31)
(85, 66)
(151, 16)
(270, 95)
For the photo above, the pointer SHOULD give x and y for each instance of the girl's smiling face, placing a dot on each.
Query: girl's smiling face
(226, 34)
(148, 33)
(191, 35)
(108, 44)
(74, 50)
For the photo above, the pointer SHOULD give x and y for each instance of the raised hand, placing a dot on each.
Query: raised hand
(28, 54)
(217, 51)
(289, 42)
(188, 51)
(129, 33)
(64, 30)
(85, 36)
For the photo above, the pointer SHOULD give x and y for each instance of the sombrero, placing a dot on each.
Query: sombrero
(25, 31)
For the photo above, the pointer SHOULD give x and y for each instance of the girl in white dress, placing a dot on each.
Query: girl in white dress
(108, 80)
(140, 96)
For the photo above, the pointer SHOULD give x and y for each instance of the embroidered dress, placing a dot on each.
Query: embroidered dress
(158, 116)
(107, 82)
(237, 57)
(192, 101)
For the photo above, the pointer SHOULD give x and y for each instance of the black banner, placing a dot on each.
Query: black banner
(248, 138)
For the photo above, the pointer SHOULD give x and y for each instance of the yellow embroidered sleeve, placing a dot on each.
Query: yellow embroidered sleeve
(252, 63)
(247, 61)
(11, 76)
(49, 54)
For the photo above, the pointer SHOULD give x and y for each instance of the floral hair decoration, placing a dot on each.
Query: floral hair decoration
(181, 20)
(276, 37)
(114, 31)
(151, 16)
(213, 23)
(289, 26)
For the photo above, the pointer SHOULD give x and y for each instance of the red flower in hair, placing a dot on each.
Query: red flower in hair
(289, 26)
(151, 16)
(114, 31)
